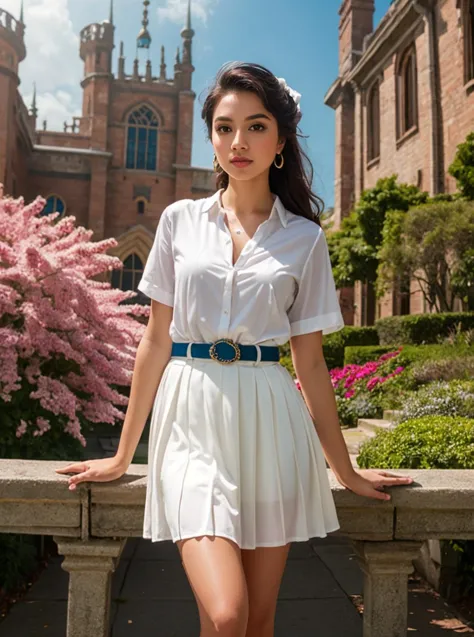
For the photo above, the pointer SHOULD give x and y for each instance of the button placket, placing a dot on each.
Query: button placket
(226, 304)
(229, 249)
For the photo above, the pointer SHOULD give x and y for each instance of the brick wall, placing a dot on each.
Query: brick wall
(411, 158)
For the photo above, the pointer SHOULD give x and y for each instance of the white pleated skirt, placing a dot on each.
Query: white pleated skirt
(233, 452)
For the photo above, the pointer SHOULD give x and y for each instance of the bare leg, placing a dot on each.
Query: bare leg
(214, 569)
(263, 569)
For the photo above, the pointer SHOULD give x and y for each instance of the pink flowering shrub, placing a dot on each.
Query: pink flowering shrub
(66, 345)
(348, 379)
(360, 390)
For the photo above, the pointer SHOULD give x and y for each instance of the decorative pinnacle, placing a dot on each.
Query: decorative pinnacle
(188, 22)
(177, 59)
(111, 14)
(163, 64)
(22, 12)
(187, 32)
(144, 37)
(34, 110)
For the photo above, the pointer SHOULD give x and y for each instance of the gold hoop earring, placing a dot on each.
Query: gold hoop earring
(279, 166)
(216, 165)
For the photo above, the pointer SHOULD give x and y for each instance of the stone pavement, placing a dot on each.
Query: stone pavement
(319, 597)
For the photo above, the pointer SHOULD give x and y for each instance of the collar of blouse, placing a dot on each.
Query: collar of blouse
(278, 208)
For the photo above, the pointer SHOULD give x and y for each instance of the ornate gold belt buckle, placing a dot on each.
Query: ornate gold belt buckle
(225, 343)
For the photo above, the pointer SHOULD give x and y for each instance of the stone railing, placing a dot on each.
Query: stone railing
(90, 526)
(8, 22)
(93, 32)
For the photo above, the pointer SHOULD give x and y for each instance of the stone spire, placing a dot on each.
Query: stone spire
(163, 64)
(148, 72)
(111, 13)
(144, 37)
(22, 12)
(187, 34)
(34, 109)
(177, 58)
(121, 63)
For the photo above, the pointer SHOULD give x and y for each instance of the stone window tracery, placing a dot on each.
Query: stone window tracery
(142, 139)
(129, 276)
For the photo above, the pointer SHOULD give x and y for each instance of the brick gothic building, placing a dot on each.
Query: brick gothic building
(124, 160)
(404, 100)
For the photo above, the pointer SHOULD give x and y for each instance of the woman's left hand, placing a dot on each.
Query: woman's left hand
(371, 483)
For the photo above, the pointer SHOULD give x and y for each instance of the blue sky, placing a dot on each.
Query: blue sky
(297, 40)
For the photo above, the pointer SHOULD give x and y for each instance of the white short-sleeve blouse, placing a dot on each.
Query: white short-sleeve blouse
(280, 286)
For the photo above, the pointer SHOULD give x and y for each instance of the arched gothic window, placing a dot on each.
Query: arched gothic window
(54, 203)
(373, 122)
(407, 92)
(129, 276)
(142, 139)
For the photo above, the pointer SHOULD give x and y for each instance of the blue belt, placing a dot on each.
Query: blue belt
(226, 351)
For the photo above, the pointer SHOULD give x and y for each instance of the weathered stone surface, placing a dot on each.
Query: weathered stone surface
(434, 524)
(386, 566)
(90, 565)
(34, 499)
(370, 524)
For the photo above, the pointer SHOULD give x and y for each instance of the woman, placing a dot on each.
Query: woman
(236, 467)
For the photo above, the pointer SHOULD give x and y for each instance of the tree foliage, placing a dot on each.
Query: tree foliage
(432, 244)
(354, 249)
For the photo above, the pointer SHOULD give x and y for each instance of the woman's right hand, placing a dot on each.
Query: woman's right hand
(101, 470)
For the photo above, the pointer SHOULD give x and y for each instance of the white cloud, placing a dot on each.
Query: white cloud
(56, 108)
(52, 59)
(177, 10)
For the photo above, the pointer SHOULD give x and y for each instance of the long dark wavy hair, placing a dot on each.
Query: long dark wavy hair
(292, 183)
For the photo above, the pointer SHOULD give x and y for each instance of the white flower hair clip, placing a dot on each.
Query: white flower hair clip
(294, 94)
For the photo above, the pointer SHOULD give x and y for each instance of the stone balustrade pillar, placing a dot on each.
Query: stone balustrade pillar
(90, 565)
(386, 566)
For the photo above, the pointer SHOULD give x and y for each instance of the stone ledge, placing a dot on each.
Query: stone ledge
(372, 425)
(36, 500)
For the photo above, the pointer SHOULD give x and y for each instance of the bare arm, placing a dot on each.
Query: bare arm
(318, 392)
(153, 354)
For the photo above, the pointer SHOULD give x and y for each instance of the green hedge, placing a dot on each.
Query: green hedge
(359, 355)
(430, 442)
(334, 345)
(418, 329)
(409, 355)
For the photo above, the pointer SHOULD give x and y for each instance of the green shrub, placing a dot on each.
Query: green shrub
(287, 362)
(420, 329)
(411, 354)
(457, 368)
(392, 394)
(361, 406)
(360, 354)
(455, 398)
(334, 344)
(431, 442)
